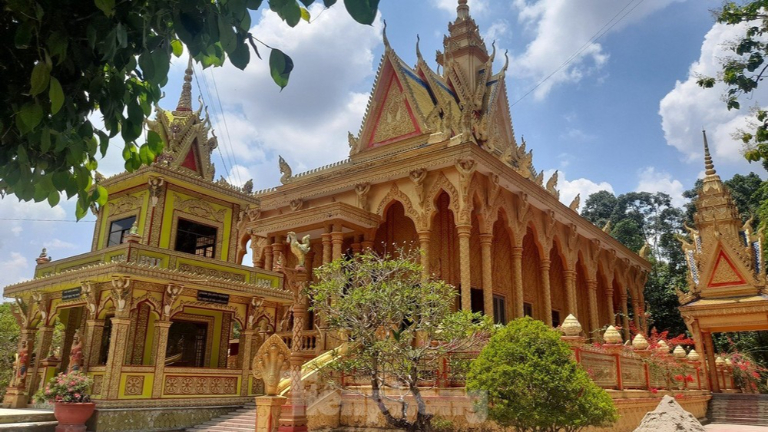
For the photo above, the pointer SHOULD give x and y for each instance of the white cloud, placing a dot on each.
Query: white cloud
(575, 134)
(14, 213)
(238, 175)
(562, 32)
(688, 108)
(570, 188)
(652, 180)
(307, 122)
(496, 30)
(58, 244)
(14, 269)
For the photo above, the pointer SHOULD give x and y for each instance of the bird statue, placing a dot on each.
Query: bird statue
(645, 251)
(299, 250)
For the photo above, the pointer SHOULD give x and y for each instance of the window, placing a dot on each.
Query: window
(527, 309)
(195, 238)
(499, 310)
(555, 318)
(476, 300)
(118, 229)
(106, 336)
(186, 344)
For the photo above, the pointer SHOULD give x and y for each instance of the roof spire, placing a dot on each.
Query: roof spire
(708, 165)
(185, 100)
(462, 10)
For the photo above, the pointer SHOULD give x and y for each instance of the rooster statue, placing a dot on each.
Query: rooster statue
(299, 250)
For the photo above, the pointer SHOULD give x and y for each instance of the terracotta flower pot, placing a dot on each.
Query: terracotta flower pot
(72, 416)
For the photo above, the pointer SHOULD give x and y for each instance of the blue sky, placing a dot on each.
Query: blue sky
(623, 114)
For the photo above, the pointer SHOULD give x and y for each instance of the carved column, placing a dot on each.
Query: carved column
(640, 290)
(570, 293)
(293, 417)
(268, 262)
(72, 324)
(424, 237)
(337, 239)
(121, 294)
(611, 311)
(546, 290)
(246, 344)
(160, 349)
(594, 321)
(464, 232)
(258, 259)
(714, 384)
(486, 240)
(94, 332)
(624, 315)
(278, 251)
(41, 352)
(356, 245)
(517, 280)
(327, 251)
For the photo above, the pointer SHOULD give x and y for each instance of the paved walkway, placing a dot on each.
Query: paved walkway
(719, 427)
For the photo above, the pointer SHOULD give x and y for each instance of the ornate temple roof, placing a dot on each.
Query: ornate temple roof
(724, 255)
(466, 102)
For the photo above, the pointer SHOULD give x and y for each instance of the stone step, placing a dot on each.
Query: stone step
(36, 426)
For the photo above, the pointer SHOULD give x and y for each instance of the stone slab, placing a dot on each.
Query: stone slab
(21, 415)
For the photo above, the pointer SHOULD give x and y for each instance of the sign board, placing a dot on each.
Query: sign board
(212, 297)
(71, 294)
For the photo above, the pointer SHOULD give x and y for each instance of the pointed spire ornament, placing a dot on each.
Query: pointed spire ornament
(185, 100)
(640, 343)
(462, 10)
(708, 165)
(693, 356)
(571, 326)
(387, 47)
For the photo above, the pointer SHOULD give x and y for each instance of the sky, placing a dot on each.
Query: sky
(604, 91)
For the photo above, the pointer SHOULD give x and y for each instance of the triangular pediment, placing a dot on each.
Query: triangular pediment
(399, 104)
(187, 144)
(725, 272)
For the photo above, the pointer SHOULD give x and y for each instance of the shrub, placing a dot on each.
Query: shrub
(534, 385)
(71, 388)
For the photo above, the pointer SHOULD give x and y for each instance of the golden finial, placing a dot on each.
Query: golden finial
(462, 11)
(384, 37)
(185, 100)
(418, 51)
(506, 62)
(708, 165)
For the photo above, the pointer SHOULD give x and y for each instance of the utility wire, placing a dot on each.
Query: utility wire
(202, 95)
(600, 33)
(226, 129)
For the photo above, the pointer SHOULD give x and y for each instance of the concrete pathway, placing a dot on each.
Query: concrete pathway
(720, 427)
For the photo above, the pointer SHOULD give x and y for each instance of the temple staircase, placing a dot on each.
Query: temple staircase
(244, 419)
(241, 420)
(747, 409)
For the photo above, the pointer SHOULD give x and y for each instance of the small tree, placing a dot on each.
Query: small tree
(399, 327)
(534, 385)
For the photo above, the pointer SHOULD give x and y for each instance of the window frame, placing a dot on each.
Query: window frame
(123, 232)
(213, 245)
(219, 246)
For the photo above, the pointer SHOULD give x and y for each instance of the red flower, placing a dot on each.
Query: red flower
(654, 390)
(679, 396)
(678, 377)
(689, 378)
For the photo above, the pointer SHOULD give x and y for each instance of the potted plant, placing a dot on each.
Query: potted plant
(72, 404)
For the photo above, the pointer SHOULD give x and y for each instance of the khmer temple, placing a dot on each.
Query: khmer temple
(726, 277)
(163, 314)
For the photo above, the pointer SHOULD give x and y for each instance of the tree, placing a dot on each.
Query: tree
(398, 324)
(743, 72)
(9, 339)
(534, 385)
(638, 218)
(66, 59)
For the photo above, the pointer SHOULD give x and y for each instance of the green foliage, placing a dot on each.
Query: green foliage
(638, 218)
(534, 385)
(9, 340)
(67, 59)
(70, 387)
(742, 72)
(398, 324)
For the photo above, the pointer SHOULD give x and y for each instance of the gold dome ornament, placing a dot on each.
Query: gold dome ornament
(571, 326)
(728, 362)
(679, 352)
(719, 361)
(662, 347)
(612, 336)
(640, 343)
(693, 355)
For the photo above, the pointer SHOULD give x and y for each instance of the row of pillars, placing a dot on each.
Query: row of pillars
(332, 248)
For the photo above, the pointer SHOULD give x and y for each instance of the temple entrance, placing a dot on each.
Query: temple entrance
(186, 344)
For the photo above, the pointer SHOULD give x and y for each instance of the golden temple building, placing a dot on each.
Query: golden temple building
(162, 313)
(726, 277)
